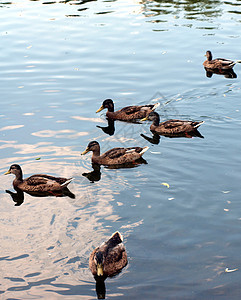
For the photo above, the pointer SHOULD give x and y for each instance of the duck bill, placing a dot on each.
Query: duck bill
(86, 151)
(8, 172)
(99, 270)
(144, 119)
(100, 109)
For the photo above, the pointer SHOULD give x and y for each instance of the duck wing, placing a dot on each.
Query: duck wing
(114, 153)
(115, 260)
(115, 254)
(224, 61)
(36, 180)
(129, 110)
(118, 152)
(170, 124)
(43, 178)
(43, 183)
(178, 126)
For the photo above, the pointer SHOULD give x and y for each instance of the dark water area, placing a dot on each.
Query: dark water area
(179, 213)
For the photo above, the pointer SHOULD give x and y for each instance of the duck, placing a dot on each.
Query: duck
(218, 63)
(38, 182)
(128, 113)
(110, 258)
(115, 156)
(171, 127)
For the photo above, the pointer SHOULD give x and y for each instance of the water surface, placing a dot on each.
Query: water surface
(59, 61)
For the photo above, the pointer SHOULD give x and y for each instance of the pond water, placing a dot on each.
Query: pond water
(179, 214)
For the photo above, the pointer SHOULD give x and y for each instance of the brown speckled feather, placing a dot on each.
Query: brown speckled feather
(38, 183)
(175, 126)
(37, 177)
(117, 156)
(131, 113)
(219, 63)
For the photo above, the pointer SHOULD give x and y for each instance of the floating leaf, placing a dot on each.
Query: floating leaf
(165, 184)
(38, 158)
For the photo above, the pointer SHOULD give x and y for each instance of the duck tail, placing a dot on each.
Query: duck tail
(198, 124)
(66, 182)
(115, 239)
(144, 150)
(117, 234)
(234, 63)
(155, 106)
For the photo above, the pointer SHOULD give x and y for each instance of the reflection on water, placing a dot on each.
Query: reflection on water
(94, 175)
(18, 197)
(100, 288)
(110, 129)
(189, 9)
(155, 139)
(226, 73)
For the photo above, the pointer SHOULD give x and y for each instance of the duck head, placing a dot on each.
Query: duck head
(99, 261)
(108, 103)
(209, 55)
(16, 170)
(93, 146)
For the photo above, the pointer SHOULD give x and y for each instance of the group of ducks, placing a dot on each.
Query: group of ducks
(111, 257)
(122, 156)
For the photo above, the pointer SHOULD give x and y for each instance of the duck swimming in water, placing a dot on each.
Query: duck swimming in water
(128, 113)
(218, 63)
(38, 182)
(171, 127)
(110, 258)
(115, 156)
